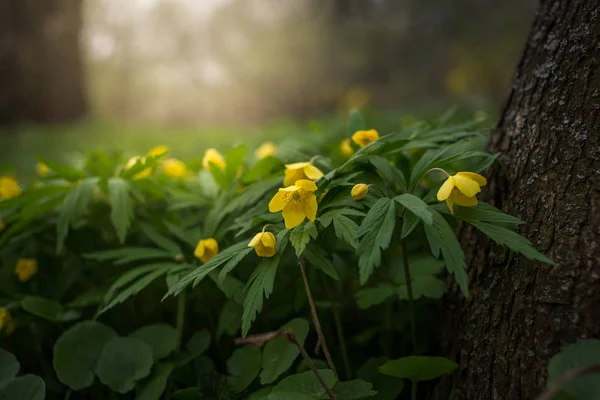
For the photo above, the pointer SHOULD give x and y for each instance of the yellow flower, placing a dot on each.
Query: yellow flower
(264, 244)
(265, 150)
(158, 151)
(346, 148)
(26, 268)
(300, 170)
(359, 191)
(6, 323)
(206, 249)
(461, 189)
(297, 202)
(42, 169)
(142, 174)
(174, 168)
(9, 187)
(363, 138)
(212, 156)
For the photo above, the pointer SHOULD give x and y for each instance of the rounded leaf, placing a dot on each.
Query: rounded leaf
(77, 351)
(9, 366)
(279, 354)
(418, 368)
(243, 367)
(574, 356)
(123, 362)
(26, 387)
(161, 337)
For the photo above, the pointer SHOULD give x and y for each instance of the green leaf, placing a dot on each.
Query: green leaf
(481, 212)
(261, 394)
(154, 387)
(161, 337)
(160, 240)
(232, 288)
(198, 343)
(62, 170)
(390, 172)
(442, 238)
(388, 387)
(300, 236)
(123, 362)
(198, 274)
(327, 218)
(74, 205)
(263, 168)
(425, 286)
(306, 383)
(9, 366)
(352, 390)
(369, 297)
(416, 206)
(121, 206)
(287, 396)
(375, 233)
(418, 368)
(48, 309)
(279, 354)
(512, 240)
(234, 261)
(318, 258)
(409, 223)
(261, 282)
(243, 367)
(184, 236)
(148, 273)
(26, 387)
(230, 319)
(126, 255)
(77, 350)
(578, 355)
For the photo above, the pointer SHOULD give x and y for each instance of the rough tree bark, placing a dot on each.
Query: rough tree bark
(522, 312)
(41, 69)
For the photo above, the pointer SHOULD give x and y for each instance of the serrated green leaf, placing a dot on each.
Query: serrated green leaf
(121, 206)
(160, 240)
(231, 287)
(409, 223)
(369, 297)
(418, 368)
(300, 236)
(74, 205)
(481, 212)
(316, 256)
(243, 367)
(390, 172)
(441, 237)
(416, 206)
(260, 283)
(279, 354)
(375, 234)
(234, 261)
(263, 168)
(126, 255)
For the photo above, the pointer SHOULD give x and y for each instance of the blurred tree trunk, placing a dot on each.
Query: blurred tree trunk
(522, 312)
(41, 71)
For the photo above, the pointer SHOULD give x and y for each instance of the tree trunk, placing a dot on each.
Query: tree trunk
(523, 312)
(41, 71)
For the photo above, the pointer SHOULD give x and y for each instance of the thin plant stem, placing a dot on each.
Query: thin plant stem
(411, 311)
(315, 318)
(180, 317)
(413, 390)
(68, 394)
(425, 174)
(340, 332)
(261, 339)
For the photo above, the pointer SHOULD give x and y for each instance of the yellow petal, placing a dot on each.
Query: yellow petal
(255, 240)
(306, 185)
(297, 165)
(446, 189)
(463, 200)
(310, 207)
(449, 203)
(278, 201)
(466, 185)
(199, 252)
(293, 215)
(476, 177)
(312, 172)
(292, 175)
(268, 240)
(359, 191)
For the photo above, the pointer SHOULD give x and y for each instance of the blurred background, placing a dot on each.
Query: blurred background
(76, 74)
